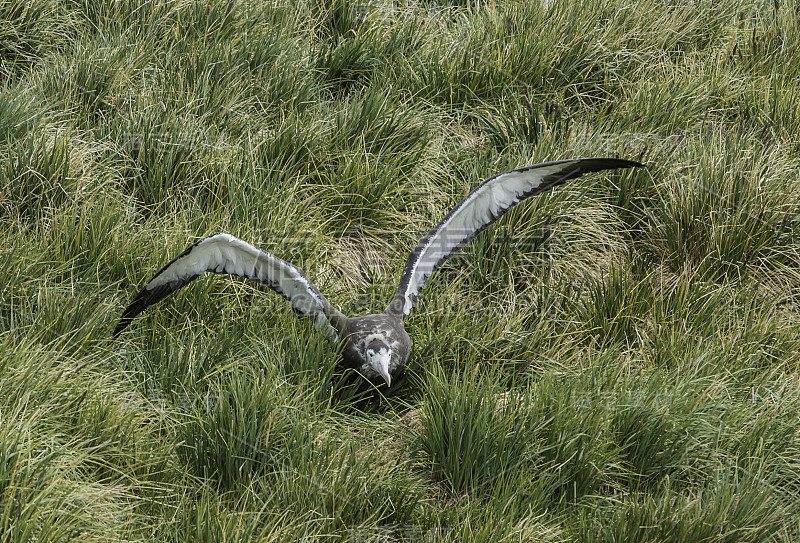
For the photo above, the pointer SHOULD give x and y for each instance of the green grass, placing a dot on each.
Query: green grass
(618, 360)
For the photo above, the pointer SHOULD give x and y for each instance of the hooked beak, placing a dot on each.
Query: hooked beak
(380, 361)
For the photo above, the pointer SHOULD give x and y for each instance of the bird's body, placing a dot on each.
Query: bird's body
(376, 345)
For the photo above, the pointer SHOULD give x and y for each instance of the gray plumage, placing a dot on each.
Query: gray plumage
(376, 345)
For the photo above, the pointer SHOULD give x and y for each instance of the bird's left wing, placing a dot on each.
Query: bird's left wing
(484, 205)
(223, 253)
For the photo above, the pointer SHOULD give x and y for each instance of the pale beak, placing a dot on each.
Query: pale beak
(380, 361)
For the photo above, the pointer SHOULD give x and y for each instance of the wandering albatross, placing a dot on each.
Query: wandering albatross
(376, 345)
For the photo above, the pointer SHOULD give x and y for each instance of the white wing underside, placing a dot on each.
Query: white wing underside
(223, 253)
(484, 205)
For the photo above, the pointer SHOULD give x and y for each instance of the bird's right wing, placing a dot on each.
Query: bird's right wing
(223, 253)
(484, 205)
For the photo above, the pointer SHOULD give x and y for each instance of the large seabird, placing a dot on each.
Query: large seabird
(376, 345)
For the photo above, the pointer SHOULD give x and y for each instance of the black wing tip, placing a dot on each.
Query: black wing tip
(139, 303)
(596, 164)
(121, 325)
(613, 162)
(144, 299)
(576, 167)
(588, 164)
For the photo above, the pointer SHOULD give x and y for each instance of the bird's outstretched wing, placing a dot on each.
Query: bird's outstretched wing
(484, 205)
(223, 253)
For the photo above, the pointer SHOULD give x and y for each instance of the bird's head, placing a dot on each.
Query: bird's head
(379, 357)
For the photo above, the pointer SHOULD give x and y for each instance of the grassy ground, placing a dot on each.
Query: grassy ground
(615, 361)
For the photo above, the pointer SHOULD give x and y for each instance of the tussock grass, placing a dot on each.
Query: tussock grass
(614, 361)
